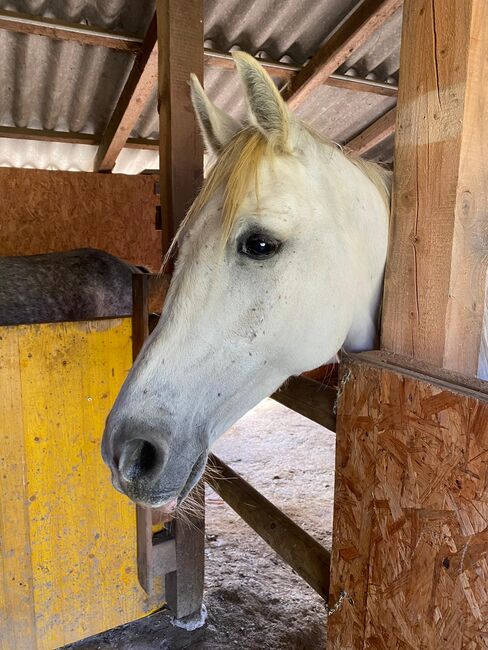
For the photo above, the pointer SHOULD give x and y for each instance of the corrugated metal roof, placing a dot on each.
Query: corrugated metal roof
(65, 86)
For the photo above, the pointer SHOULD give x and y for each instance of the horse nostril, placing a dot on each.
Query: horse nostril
(139, 459)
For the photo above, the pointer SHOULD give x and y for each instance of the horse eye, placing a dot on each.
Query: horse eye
(259, 247)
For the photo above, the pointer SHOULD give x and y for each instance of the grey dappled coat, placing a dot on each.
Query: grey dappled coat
(75, 285)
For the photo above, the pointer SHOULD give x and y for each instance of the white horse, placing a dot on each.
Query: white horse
(280, 265)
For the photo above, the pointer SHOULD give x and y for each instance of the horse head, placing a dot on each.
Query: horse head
(280, 263)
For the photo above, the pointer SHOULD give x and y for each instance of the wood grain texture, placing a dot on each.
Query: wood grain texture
(180, 52)
(374, 134)
(354, 31)
(70, 137)
(46, 211)
(310, 398)
(68, 560)
(309, 559)
(410, 540)
(60, 30)
(140, 83)
(436, 271)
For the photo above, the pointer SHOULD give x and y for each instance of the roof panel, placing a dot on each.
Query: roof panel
(65, 86)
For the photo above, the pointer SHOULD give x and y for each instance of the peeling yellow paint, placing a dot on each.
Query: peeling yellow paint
(68, 565)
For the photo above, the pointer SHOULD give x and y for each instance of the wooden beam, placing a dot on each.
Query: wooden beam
(374, 135)
(361, 85)
(180, 35)
(410, 540)
(69, 137)
(284, 72)
(155, 557)
(434, 299)
(354, 31)
(296, 547)
(138, 88)
(180, 52)
(59, 30)
(309, 398)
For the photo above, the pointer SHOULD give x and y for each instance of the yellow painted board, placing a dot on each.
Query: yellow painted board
(81, 534)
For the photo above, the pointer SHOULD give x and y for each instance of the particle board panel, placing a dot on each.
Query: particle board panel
(69, 549)
(410, 540)
(49, 211)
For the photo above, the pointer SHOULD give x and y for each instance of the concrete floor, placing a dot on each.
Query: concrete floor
(254, 600)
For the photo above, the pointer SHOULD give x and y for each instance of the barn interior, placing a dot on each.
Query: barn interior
(100, 149)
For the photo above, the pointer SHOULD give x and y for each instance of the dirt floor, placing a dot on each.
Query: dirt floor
(254, 601)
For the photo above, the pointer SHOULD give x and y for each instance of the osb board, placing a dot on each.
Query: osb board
(410, 541)
(68, 564)
(49, 211)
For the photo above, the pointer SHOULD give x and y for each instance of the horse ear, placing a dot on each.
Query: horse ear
(217, 127)
(268, 110)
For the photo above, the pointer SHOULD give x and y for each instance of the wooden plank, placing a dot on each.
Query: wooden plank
(180, 52)
(48, 211)
(17, 614)
(76, 536)
(184, 587)
(283, 72)
(180, 36)
(436, 271)
(309, 559)
(138, 88)
(309, 398)
(59, 30)
(153, 561)
(361, 85)
(354, 31)
(374, 134)
(69, 137)
(410, 542)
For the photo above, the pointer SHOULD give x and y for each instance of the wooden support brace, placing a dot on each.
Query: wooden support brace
(353, 32)
(297, 548)
(309, 398)
(434, 297)
(374, 135)
(137, 90)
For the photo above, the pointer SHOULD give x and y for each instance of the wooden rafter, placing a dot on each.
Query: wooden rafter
(284, 72)
(374, 135)
(140, 84)
(353, 32)
(60, 30)
(68, 137)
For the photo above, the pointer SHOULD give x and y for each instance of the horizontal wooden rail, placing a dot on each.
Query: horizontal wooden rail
(309, 398)
(295, 546)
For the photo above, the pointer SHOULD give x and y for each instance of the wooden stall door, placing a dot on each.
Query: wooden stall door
(68, 564)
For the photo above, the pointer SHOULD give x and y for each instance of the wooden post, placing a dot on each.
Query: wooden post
(180, 52)
(436, 272)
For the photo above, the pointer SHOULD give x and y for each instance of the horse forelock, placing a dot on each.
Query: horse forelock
(236, 168)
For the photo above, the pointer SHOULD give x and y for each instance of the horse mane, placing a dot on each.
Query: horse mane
(236, 171)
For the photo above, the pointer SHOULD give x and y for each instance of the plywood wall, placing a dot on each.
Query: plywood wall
(46, 211)
(410, 542)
